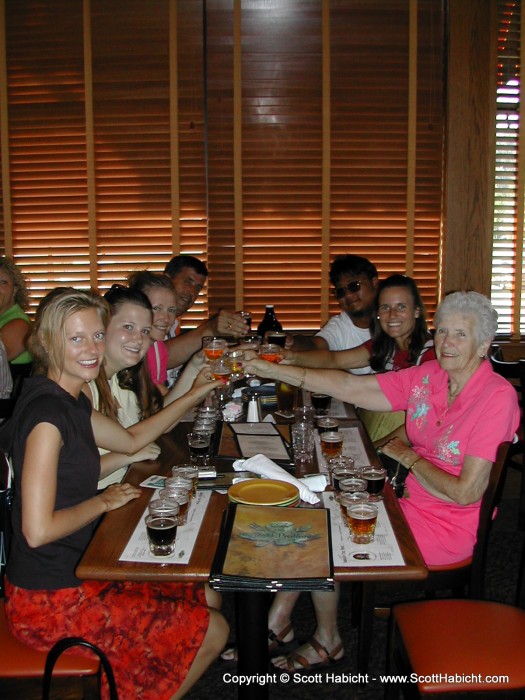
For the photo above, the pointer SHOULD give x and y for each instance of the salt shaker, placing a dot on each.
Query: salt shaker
(254, 410)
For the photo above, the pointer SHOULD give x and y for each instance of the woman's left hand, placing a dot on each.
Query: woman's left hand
(400, 451)
(117, 495)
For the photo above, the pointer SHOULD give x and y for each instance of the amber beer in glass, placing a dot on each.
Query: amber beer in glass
(331, 444)
(213, 347)
(270, 353)
(362, 519)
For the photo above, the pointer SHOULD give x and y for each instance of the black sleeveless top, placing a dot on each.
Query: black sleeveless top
(52, 565)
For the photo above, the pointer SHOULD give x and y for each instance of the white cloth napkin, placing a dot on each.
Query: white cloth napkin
(259, 464)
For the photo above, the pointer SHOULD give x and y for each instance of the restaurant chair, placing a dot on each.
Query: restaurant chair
(453, 645)
(21, 667)
(514, 371)
(459, 579)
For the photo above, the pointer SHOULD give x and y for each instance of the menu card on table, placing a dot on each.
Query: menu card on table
(383, 551)
(137, 549)
(269, 548)
(244, 440)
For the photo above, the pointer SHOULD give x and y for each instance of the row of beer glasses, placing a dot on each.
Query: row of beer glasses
(170, 509)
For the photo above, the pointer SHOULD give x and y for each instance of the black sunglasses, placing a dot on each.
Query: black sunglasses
(351, 287)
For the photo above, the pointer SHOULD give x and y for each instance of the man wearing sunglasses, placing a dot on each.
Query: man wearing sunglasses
(355, 287)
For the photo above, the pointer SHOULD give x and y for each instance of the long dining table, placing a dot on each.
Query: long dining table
(102, 558)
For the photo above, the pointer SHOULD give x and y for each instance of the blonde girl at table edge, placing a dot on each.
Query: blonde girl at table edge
(458, 412)
(159, 638)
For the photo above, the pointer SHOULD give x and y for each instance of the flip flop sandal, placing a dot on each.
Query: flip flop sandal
(276, 647)
(327, 658)
(277, 644)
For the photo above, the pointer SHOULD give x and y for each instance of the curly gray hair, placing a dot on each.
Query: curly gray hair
(471, 304)
(21, 294)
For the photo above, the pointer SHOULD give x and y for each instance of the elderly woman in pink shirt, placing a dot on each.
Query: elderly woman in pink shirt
(458, 412)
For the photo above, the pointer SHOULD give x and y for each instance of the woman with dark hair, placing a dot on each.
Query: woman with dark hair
(159, 290)
(159, 637)
(123, 389)
(400, 339)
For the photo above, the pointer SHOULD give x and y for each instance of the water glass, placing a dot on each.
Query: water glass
(303, 441)
(304, 413)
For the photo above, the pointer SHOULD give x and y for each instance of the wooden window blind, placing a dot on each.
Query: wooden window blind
(47, 145)
(263, 138)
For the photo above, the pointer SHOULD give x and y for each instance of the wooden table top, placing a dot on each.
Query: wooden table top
(101, 559)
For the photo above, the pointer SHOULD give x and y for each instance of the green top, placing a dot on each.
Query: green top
(10, 315)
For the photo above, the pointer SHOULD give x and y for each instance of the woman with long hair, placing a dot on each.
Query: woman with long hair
(400, 339)
(159, 638)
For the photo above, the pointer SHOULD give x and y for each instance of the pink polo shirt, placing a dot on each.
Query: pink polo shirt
(157, 360)
(484, 414)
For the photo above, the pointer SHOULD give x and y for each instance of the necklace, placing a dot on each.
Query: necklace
(451, 395)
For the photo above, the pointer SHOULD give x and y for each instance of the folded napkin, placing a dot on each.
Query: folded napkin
(259, 464)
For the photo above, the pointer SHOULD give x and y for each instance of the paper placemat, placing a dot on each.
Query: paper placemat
(383, 551)
(137, 549)
(352, 447)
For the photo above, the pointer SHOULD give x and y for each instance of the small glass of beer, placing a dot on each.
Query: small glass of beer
(331, 444)
(213, 347)
(362, 518)
(375, 478)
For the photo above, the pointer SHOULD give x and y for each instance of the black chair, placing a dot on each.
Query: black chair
(452, 646)
(514, 371)
(466, 577)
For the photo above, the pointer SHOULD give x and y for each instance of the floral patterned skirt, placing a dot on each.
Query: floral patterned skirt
(150, 632)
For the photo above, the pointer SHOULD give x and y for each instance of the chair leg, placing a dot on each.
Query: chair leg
(521, 510)
(366, 623)
(391, 689)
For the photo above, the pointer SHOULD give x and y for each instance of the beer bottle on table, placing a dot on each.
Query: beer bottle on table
(269, 322)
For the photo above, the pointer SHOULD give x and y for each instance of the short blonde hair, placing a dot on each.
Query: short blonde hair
(47, 340)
